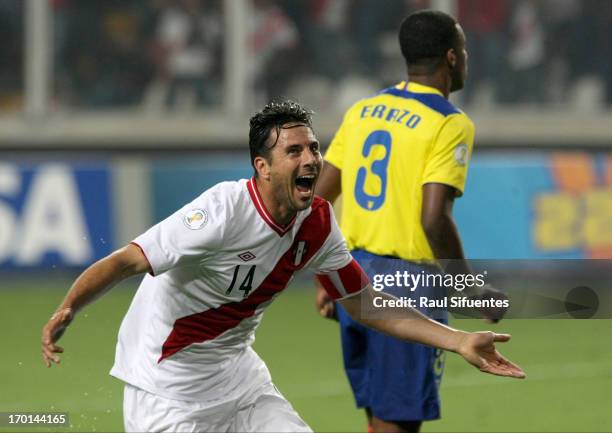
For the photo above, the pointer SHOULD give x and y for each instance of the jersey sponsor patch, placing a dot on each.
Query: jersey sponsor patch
(461, 154)
(195, 219)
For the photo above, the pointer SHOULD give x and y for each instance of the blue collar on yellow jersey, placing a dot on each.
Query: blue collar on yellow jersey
(424, 94)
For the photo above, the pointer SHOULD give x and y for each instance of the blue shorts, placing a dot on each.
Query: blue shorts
(397, 381)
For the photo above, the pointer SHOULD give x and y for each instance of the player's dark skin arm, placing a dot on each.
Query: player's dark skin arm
(89, 286)
(441, 232)
(328, 187)
(439, 226)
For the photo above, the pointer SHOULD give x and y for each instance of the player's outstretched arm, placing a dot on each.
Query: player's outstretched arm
(477, 348)
(90, 285)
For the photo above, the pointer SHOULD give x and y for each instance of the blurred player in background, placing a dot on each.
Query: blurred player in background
(184, 349)
(400, 158)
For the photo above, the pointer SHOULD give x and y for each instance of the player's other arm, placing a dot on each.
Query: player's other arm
(444, 176)
(477, 348)
(444, 179)
(90, 285)
(443, 236)
(328, 187)
(439, 226)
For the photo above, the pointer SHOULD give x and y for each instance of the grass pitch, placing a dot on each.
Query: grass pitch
(568, 362)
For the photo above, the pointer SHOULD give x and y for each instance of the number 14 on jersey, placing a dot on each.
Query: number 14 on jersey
(247, 281)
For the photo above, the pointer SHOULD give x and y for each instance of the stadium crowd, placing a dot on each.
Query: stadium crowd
(132, 53)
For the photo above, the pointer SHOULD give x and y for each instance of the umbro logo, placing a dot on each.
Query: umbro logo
(245, 257)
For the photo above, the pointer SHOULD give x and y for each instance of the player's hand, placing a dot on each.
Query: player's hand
(52, 332)
(478, 348)
(325, 305)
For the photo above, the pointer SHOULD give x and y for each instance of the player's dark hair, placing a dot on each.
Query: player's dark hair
(426, 36)
(274, 116)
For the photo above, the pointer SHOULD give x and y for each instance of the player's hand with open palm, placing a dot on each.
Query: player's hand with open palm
(478, 348)
(52, 332)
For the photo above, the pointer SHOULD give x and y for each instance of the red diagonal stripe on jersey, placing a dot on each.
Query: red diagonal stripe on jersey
(209, 324)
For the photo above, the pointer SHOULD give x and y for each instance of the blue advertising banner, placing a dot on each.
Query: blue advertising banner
(54, 214)
(517, 205)
(543, 206)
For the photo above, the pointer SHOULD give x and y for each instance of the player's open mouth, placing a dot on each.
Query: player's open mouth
(305, 183)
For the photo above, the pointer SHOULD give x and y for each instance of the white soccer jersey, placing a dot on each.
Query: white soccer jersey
(217, 263)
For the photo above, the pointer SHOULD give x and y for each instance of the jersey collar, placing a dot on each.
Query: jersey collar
(417, 88)
(263, 212)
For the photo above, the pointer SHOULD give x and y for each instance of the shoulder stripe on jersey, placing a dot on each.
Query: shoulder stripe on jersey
(353, 277)
(209, 324)
(435, 102)
(330, 286)
(261, 209)
(345, 281)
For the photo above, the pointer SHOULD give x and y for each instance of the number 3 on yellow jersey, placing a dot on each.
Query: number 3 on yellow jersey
(377, 168)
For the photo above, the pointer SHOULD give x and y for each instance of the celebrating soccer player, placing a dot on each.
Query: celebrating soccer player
(184, 349)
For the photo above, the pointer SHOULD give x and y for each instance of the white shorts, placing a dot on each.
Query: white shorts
(260, 410)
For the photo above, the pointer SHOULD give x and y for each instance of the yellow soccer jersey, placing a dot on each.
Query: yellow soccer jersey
(388, 147)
